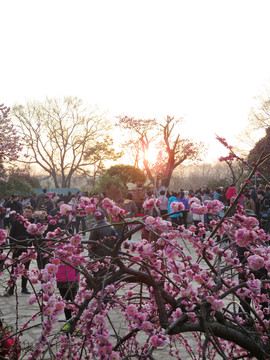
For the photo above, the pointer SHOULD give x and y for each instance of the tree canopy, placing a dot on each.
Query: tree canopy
(127, 174)
(16, 183)
(64, 137)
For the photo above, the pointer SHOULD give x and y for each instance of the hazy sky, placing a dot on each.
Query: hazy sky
(201, 60)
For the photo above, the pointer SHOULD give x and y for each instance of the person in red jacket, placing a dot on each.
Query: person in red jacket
(230, 193)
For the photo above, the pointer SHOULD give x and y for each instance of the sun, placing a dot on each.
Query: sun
(152, 154)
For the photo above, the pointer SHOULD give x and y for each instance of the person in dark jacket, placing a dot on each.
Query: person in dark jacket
(20, 240)
(14, 205)
(264, 210)
(41, 198)
(254, 197)
(47, 204)
(104, 233)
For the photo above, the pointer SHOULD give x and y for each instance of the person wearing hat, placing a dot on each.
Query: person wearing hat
(104, 233)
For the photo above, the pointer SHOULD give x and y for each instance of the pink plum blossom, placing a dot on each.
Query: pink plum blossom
(149, 204)
(51, 268)
(65, 209)
(217, 305)
(3, 236)
(36, 229)
(255, 262)
(76, 240)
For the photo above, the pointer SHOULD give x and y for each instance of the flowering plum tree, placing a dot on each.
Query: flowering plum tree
(205, 292)
(173, 150)
(9, 140)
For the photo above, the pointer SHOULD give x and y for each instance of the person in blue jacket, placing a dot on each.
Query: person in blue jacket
(175, 217)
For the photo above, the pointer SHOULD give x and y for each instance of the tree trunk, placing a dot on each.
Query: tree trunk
(165, 181)
(55, 181)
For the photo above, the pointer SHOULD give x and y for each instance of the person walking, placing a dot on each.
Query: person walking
(67, 279)
(20, 240)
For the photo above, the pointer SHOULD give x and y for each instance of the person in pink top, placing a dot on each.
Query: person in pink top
(67, 282)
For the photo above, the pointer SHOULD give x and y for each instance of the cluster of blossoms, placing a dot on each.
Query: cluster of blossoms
(177, 206)
(149, 204)
(223, 142)
(157, 223)
(199, 209)
(115, 211)
(87, 205)
(214, 206)
(140, 320)
(230, 157)
(244, 237)
(10, 144)
(53, 306)
(36, 229)
(3, 236)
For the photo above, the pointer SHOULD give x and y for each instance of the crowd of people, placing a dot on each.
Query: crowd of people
(43, 205)
(255, 201)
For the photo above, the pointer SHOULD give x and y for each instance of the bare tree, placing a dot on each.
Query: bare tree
(258, 122)
(259, 117)
(64, 137)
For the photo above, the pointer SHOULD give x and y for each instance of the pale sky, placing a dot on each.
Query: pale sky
(201, 60)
